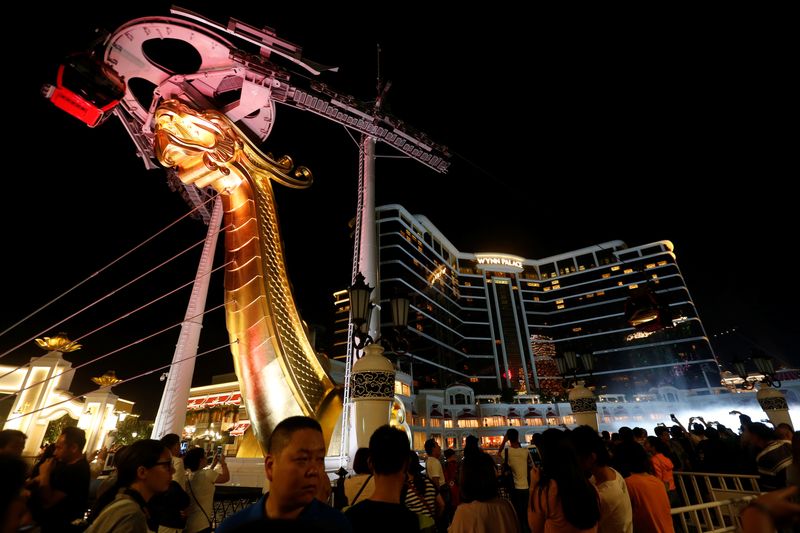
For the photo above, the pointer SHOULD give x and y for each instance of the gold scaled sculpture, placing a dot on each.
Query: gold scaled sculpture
(278, 370)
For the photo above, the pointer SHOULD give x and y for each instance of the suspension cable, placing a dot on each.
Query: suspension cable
(54, 300)
(126, 315)
(138, 341)
(107, 295)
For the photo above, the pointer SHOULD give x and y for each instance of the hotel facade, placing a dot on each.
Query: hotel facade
(494, 321)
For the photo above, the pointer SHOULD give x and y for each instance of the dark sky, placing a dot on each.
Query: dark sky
(565, 133)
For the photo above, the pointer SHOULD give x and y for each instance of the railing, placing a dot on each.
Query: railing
(711, 517)
(705, 487)
(229, 500)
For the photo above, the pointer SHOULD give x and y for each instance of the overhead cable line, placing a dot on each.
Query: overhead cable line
(134, 343)
(126, 315)
(107, 295)
(165, 228)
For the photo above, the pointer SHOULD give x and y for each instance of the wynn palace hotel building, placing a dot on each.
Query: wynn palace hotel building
(494, 321)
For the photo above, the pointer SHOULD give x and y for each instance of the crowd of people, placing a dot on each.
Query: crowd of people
(564, 481)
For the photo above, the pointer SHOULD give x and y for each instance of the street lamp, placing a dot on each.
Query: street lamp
(567, 364)
(360, 310)
(765, 368)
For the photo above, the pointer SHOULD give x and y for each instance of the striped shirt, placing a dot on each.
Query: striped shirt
(413, 502)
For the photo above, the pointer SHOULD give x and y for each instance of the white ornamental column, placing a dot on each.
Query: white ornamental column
(372, 390)
(584, 405)
(773, 402)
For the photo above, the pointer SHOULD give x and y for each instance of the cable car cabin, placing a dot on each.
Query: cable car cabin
(644, 311)
(87, 89)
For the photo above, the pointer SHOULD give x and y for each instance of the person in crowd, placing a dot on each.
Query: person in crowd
(388, 459)
(773, 457)
(325, 489)
(433, 464)
(61, 488)
(639, 435)
(713, 454)
(13, 496)
(12, 442)
(144, 469)
(471, 446)
(520, 462)
(200, 486)
(676, 452)
(481, 509)
(784, 431)
(615, 503)
(295, 457)
(419, 494)
(451, 479)
(793, 472)
(649, 500)
(361, 485)
(562, 498)
(776, 509)
(168, 510)
(662, 467)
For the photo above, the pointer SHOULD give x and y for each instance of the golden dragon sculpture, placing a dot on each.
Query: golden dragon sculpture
(279, 372)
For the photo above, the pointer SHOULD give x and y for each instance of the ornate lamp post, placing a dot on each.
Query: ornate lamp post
(372, 377)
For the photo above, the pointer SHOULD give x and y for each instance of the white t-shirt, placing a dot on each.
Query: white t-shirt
(518, 461)
(433, 467)
(200, 486)
(616, 515)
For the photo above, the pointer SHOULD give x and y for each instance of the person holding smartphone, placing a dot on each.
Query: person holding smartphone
(200, 486)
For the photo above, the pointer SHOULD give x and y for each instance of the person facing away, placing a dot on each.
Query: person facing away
(144, 469)
(61, 495)
(481, 509)
(388, 459)
(615, 503)
(520, 462)
(295, 458)
(419, 494)
(360, 485)
(200, 483)
(649, 500)
(562, 498)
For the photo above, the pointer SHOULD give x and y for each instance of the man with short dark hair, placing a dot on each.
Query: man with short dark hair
(12, 442)
(295, 458)
(433, 464)
(62, 486)
(382, 511)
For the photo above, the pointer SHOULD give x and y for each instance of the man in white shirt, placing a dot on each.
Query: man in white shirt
(520, 462)
(433, 464)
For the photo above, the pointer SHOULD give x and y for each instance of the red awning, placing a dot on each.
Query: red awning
(239, 428)
(215, 400)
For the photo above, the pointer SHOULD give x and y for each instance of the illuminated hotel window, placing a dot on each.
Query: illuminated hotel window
(535, 298)
(569, 419)
(560, 306)
(419, 327)
(534, 421)
(590, 295)
(619, 284)
(547, 289)
(627, 271)
(662, 263)
(436, 422)
(559, 302)
(473, 380)
(601, 293)
(467, 423)
(614, 268)
(606, 275)
(552, 421)
(448, 423)
(650, 265)
(493, 421)
(655, 276)
(634, 286)
(576, 330)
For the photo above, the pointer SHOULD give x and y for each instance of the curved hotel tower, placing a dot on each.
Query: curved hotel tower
(495, 321)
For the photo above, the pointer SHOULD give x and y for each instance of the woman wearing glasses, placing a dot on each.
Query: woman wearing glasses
(143, 470)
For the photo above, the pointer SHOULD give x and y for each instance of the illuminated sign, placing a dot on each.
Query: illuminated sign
(507, 263)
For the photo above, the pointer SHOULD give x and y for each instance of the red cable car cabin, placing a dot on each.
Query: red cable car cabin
(87, 89)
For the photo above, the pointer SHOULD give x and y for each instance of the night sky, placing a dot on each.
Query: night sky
(564, 133)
